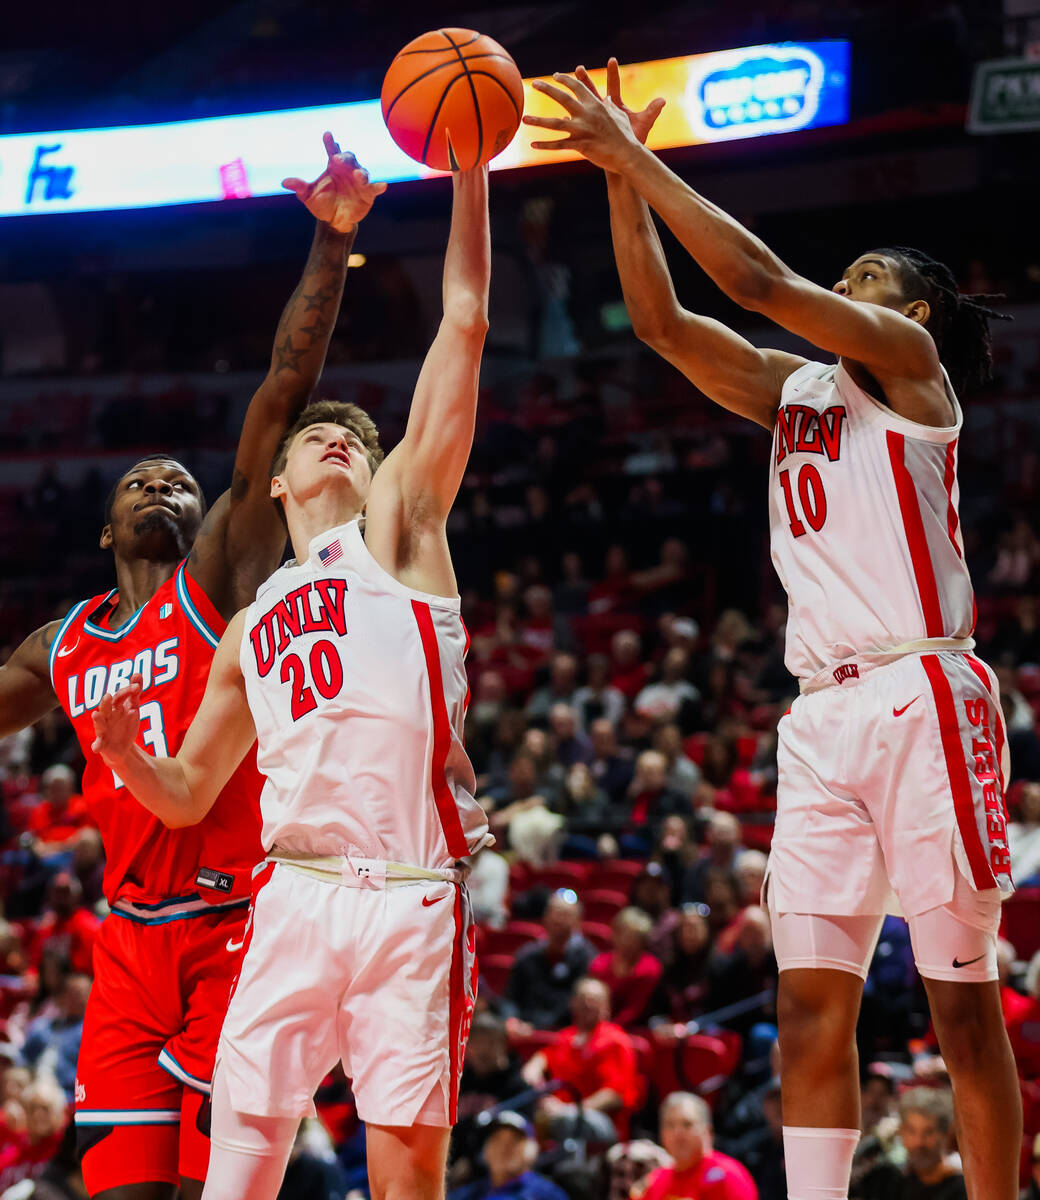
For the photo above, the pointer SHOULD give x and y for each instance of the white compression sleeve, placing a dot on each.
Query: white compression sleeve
(819, 1162)
(248, 1154)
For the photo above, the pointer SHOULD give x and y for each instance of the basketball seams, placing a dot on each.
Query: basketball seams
(436, 114)
(473, 94)
(419, 78)
(495, 79)
(440, 49)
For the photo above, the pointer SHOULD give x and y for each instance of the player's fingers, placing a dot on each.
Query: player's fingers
(331, 145)
(575, 85)
(295, 185)
(614, 79)
(558, 94)
(586, 79)
(376, 189)
(559, 123)
(653, 109)
(558, 144)
(360, 176)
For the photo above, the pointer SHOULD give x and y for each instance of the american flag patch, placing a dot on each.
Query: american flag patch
(330, 553)
(165, 611)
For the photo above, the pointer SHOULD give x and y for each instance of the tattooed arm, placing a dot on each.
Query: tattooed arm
(242, 539)
(26, 692)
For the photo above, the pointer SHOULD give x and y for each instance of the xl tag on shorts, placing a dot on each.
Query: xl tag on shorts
(217, 881)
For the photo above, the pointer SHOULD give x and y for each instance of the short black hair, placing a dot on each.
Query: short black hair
(958, 323)
(110, 499)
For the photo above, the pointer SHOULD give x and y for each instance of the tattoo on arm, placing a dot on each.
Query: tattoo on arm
(288, 356)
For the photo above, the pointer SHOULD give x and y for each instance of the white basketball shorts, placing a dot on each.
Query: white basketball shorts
(891, 784)
(382, 979)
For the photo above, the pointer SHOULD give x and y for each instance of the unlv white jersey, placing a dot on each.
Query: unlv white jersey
(357, 686)
(864, 530)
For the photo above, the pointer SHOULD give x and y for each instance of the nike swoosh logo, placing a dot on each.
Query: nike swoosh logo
(68, 649)
(427, 900)
(233, 946)
(898, 712)
(958, 964)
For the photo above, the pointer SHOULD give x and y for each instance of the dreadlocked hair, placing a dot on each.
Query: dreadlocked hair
(958, 323)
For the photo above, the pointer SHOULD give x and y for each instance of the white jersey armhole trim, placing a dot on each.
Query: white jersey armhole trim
(942, 434)
(391, 582)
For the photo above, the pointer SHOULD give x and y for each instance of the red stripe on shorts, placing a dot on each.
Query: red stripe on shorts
(259, 879)
(998, 721)
(957, 770)
(913, 526)
(456, 1009)
(443, 796)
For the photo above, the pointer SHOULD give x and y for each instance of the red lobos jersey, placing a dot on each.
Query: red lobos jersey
(153, 872)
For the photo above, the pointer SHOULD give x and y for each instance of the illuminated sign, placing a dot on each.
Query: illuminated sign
(710, 97)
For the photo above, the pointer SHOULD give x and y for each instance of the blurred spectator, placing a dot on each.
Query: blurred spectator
(1012, 1002)
(723, 847)
(629, 1163)
(611, 767)
(60, 1179)
(698, 1171)
(597, 698)
(88, 864)
(588, 813)
(684, 776)
(747, 970)
(672, 697)
(925, 1121)
(488, 884)
(312, 1172)
(750, 872)
(651, 892)
(545, 972)
(652, 800)
(65, 927)
(563, 682)
(762, 1150)
(490, 1074)
(510, 1153)
(61, 812)
(1032, 1192)
(52, 1042)
(594, 1061)
(571, 746)
(27, 1154)
(1024, 836)
(675, 850)
(628, 672)
(630, 972)
(1018, 552)
(1024, 1025)
(571, 593)
(685, 978)
(51, 972)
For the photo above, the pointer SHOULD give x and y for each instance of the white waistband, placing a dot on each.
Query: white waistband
(857, 665)
(349, 871)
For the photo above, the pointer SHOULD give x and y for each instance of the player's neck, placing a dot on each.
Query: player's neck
(137, 581)
(322, 512)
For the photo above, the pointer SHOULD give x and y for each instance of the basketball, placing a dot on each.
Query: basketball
(453, 99)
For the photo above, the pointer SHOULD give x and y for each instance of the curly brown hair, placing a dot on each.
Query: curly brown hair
(332, 412)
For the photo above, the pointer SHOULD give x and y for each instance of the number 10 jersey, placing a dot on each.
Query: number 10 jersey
(864, 531)
(357, 686)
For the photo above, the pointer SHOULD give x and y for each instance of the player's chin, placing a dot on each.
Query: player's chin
(155, 520)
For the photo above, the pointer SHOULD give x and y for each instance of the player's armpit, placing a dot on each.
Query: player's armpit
(884, 340)
(726, 367)
(26, 691)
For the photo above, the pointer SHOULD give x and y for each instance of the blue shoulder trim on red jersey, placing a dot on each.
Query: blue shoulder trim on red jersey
(193, 613)
(70, 616)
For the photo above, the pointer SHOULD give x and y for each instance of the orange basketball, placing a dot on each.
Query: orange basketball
(453, 99)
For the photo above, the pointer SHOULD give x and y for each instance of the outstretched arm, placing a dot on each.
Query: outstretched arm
(26, 692)
(738, 262)
(724, 366)
(413, 491)
(181, 790)
(242, 539)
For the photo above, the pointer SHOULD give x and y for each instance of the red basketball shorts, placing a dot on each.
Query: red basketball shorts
(149, 1040)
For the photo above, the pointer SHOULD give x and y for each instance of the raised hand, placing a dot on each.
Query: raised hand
(342, 194)
(643, 120)
(116, 720)
(600, 129)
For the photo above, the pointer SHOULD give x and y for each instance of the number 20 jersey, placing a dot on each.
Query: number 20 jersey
(864, 531)
(357, 686)
(170, 642)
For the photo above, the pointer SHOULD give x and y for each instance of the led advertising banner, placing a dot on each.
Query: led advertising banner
(712, 97)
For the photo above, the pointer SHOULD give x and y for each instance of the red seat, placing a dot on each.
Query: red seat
(511, 937)
(756, 835)
(687, 1064)
(614, 876)
(603, 905)
(495, 970)
(1020, 921)
(559, 875)
(599, 935)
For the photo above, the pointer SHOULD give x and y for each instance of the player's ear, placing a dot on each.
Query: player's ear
(106, 538)
(277, 486)
(919, 311)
